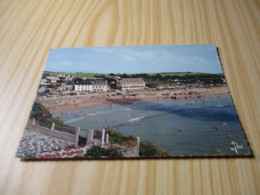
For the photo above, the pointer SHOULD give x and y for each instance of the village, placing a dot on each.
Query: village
(65, 92)
(56, 85)
(60, 85)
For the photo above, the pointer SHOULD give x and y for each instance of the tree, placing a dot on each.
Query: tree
(39, 112)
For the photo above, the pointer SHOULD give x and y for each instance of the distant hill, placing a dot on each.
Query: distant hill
(100, 75)
(155, 79)
(183, 73)
(78, 74)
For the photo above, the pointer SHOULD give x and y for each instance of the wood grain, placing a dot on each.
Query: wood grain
(29, 28)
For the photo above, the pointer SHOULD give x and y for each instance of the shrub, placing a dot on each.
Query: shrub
(55, 120)
(97, 151)
(97, 134)
(82, 141)
(116, 137)
(42, 114)
(149, 149)
(39, 112)
(58, 125)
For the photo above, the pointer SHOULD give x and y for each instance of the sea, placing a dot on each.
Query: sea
(194, 127)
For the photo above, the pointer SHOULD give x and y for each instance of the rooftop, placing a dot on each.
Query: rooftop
(94, 82)
(132, 80)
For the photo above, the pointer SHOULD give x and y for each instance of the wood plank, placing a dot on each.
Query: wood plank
(30, 28)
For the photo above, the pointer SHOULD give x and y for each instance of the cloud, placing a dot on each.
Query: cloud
(164, 54)
(81, 64)
(126, 57)
(199, 60)
(58, 65)
(140, 54)
(66, 63)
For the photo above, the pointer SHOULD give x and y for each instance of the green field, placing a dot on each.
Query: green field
(183, 74)
(79, 74)
(100, 75)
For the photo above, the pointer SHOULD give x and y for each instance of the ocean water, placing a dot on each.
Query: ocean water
(182, 128)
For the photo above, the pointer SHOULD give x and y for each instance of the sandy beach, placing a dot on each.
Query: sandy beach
(69, 103)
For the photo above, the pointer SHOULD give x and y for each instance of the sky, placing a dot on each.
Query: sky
(135, 59)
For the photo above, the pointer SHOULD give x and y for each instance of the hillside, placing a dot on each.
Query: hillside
(102, 75)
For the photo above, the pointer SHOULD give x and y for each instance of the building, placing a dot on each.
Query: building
(100, 86)
(51, 79)
(68, 86)
(44, 82)
(83, 86)
(131, 84)
(91, 86)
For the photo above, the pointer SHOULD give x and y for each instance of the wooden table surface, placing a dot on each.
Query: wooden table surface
(29, 28)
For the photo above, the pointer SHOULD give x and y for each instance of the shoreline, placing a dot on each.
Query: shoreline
(71, 103)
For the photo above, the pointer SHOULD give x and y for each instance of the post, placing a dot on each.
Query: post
(38, 152)
(107, 138)
(90, 136)
(52, 126)
(138, 144)
(103, 137)
(76, 135)
(33, 123)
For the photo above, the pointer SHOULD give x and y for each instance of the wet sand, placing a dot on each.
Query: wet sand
(69, 103)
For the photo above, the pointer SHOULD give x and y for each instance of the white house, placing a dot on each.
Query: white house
(91, 86)
(44, 81)
(51, 79)
(131, 84)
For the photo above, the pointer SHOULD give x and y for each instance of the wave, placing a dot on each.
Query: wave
(97, 113)
(136, 119)
(72, 120)
(126, 109)
(108, 111)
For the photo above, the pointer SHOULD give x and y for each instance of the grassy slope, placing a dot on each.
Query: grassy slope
(182, 73)
(78, 74)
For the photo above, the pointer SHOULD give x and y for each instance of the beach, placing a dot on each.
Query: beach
(78, 102)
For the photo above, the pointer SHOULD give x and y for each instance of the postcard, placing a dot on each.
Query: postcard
(168, 101)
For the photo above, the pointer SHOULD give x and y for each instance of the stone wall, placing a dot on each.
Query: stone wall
(39, 129)
(54, 133)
